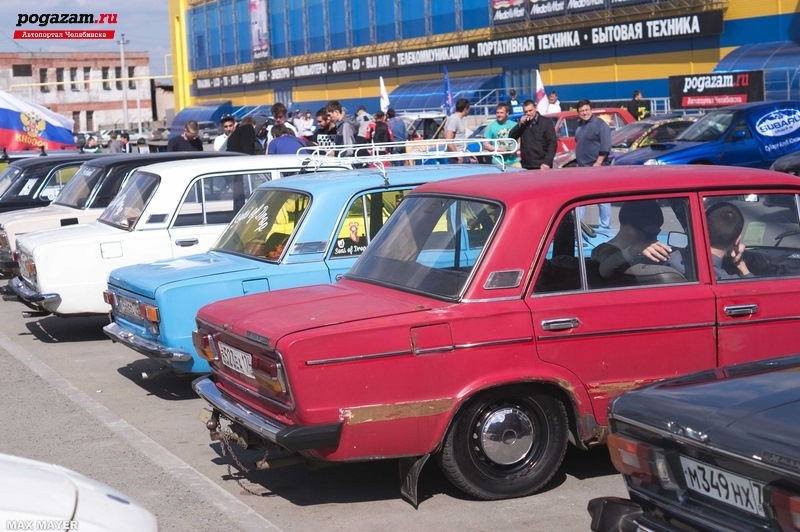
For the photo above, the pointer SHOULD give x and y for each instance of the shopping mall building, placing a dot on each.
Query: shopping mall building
(306, 52)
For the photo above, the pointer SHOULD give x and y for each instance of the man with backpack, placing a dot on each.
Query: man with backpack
(379, 132)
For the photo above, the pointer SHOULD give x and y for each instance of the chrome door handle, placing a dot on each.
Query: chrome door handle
(339, 276)
(560, 324)
(741, 310)
(186, 242)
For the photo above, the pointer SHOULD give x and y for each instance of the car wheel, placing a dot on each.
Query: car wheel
(507, 443)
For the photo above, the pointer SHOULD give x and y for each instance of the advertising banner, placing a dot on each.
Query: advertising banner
(716, 90)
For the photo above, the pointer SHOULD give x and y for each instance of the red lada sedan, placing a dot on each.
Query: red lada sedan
(492, 320)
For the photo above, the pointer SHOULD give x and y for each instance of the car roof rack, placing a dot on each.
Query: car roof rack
(380, 155)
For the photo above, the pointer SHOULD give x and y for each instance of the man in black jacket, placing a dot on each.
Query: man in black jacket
(536, 135)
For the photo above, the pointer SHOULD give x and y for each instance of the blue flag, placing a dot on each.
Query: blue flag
(448, 96)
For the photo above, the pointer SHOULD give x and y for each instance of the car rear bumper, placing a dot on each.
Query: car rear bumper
(32, 298)
(291, 437)
(614, 514)
(146, 347)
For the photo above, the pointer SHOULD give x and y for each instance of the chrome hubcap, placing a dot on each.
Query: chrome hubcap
(506, 435)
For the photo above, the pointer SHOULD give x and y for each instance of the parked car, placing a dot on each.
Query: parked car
(208, 131)
(635, 135)
(715, 450)
(566, 123)
(477, 326)
(159, 133)
(752, 134)
(83, 198)
(789, 163)
(51, 497)
(37, 181)
(320, 225)
(164, 210)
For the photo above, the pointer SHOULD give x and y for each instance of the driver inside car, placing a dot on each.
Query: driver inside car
(637, 241)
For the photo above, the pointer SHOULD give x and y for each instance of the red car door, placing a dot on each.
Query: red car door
(759, 313)
(614, 338)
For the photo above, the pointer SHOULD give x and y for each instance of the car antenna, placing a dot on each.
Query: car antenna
(42, 153)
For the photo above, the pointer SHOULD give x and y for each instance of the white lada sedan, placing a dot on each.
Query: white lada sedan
(163, 211)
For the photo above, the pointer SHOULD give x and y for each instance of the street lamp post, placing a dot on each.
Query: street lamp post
(124, 74)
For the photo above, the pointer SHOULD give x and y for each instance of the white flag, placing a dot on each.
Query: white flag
(541, 95)
(384, 97)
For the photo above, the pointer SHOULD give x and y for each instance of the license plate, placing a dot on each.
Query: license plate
(127, 306)
(236, 359)
(724, 486)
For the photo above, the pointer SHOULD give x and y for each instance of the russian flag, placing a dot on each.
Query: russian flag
(28, 126)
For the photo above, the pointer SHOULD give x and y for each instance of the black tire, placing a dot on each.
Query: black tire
(534, 432)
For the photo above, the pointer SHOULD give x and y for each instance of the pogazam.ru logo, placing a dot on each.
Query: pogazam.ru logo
(39, 21)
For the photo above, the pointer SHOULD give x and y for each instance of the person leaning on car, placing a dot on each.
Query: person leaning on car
(537, 138)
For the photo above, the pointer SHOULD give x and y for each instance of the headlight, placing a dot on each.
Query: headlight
(4, 239)
(652, 162)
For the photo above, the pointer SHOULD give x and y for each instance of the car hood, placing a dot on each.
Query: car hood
(276, 314)
(37, 491)
(662, 151)
(145, 279)
(748, 413)
(34, 490)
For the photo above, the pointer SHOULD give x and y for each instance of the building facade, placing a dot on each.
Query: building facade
(305, 52)
(91, 88)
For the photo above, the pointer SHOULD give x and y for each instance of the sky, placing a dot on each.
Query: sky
(145, 24)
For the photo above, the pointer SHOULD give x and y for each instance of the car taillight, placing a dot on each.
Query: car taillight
(269, 374)
(641, 461)
(202, 343)
(630, 457)
(109, 297)
(786, 508)
(149, 313)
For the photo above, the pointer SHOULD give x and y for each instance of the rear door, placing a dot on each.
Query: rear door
(759, 314)
(365, 216)
(208, 206)
(616, 333)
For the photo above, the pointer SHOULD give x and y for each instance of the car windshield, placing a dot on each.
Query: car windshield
(125, 209)
(7, 177)
(76, 192)
(709, 127)
(265, 223)
(430, 245)
(626, 135)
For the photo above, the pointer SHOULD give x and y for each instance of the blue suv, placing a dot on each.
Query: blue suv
(752, 134)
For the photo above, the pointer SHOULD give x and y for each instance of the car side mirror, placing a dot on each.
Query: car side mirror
(738, 135)
(678, 240)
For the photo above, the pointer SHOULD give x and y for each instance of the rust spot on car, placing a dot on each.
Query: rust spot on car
(375, 413)
(613, 389)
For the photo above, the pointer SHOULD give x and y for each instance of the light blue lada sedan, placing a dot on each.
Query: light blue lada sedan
(300, 230)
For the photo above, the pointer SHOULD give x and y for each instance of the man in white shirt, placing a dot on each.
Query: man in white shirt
(228, 123)
(549, 105)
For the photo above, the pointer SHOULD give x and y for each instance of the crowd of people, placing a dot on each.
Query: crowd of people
(286, 132)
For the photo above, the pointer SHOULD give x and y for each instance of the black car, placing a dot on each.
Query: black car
(36, 181)
(715, 450)
(789, 163)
